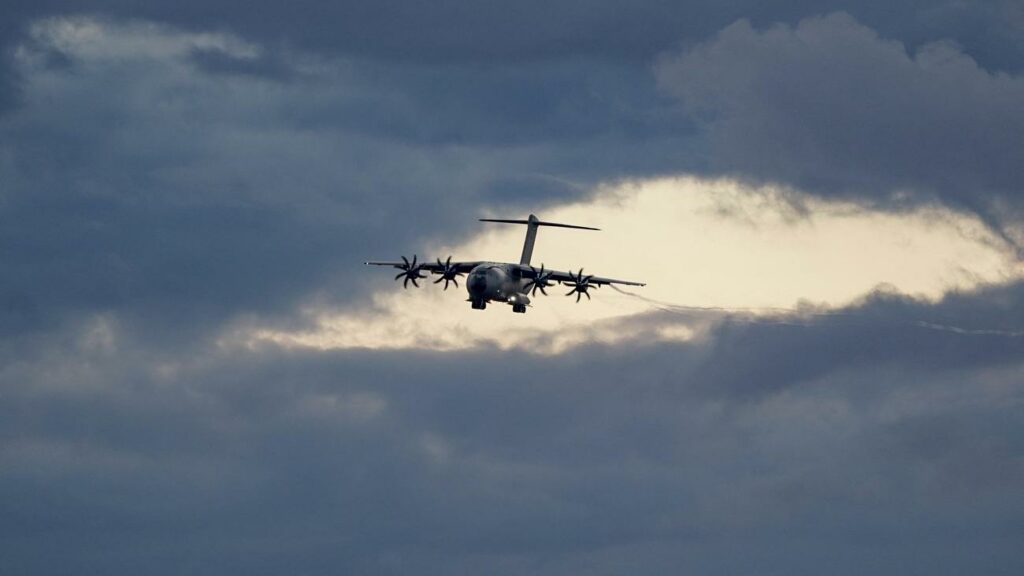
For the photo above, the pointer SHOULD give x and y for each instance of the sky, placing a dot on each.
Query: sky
(823, 374)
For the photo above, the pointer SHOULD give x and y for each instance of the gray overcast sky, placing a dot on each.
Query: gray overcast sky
(174, 173)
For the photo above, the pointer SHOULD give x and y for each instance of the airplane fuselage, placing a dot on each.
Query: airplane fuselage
(497, 281)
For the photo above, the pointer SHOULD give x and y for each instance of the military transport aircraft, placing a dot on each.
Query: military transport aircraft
(504, 281)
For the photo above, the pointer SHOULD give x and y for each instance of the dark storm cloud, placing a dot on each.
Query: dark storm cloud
(217, 61)
(213, 181)
(150, 199)
(964, 333)
(498, 32)
(531, 30)
(218, 461)
(829, 107)
(484, 77)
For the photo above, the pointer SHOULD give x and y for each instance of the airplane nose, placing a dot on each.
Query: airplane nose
(477, 284)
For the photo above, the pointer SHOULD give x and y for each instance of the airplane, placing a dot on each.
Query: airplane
(506, 282)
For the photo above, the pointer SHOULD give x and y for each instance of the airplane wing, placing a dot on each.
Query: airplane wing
(412, 271)
(581, 283)
(437, 267)
(570, 278)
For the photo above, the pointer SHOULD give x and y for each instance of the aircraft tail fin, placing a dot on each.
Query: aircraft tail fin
(532, 223)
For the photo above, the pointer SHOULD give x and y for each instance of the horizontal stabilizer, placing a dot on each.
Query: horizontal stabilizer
(537, 223)
(532, 223)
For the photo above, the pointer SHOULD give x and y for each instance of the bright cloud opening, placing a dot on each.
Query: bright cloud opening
(697, 243)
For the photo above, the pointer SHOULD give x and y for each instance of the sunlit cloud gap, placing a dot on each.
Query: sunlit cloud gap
(711, 245)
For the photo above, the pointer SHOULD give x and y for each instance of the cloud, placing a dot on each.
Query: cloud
(173, 174)
(699, 244)
(182, 196)
(375, 461)
(829, 107)
(494, 31)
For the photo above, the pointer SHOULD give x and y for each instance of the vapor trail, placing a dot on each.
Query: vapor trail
(923, 324)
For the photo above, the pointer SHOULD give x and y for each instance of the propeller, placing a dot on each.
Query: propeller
(580, 285)
(449, 273)
(411, 271)
(538, 282)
